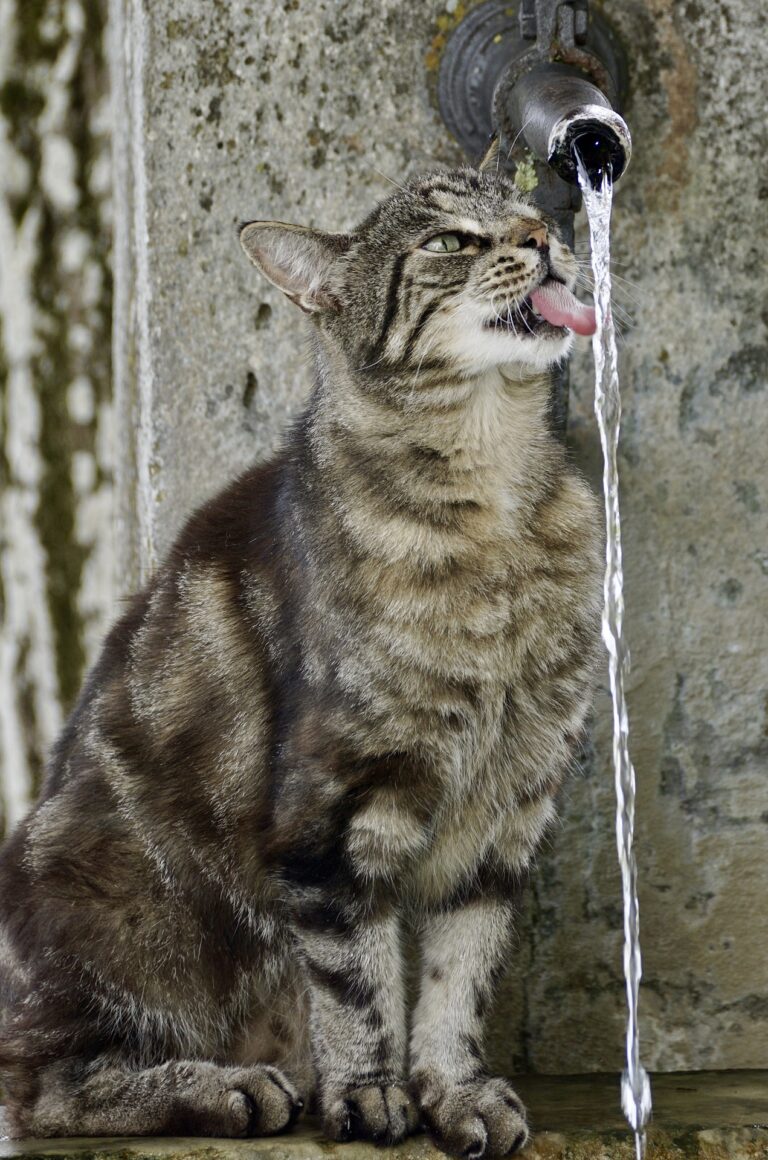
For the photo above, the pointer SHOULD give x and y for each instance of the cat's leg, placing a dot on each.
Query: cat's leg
(353, 963)
(185, 1098)
(469, 1113)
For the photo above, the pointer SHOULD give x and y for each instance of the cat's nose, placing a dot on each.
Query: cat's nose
(537, 239)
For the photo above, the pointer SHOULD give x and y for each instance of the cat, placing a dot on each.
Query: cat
(348, 696)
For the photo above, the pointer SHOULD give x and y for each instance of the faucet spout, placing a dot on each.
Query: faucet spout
(560, 112)
(601, 142)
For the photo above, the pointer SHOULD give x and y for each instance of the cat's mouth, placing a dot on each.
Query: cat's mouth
(549, 309)
(523, 320)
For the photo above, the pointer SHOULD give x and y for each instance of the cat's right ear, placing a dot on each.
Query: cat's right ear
(297, 260)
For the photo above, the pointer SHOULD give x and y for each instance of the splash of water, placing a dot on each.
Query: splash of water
(635, 1085)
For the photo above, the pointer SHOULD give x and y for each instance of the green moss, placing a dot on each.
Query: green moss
(5, 470)
(31, 46)
(214, 69)
(25, 699)
(55, 515)
(20, 106)
(526, 178)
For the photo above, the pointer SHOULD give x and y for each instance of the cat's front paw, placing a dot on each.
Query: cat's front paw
(257, 1101)
(384, 1113)
(479, 1119)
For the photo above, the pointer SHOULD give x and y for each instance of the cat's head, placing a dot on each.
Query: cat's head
(438, 278)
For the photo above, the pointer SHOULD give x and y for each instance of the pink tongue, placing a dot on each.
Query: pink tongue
(556, 303)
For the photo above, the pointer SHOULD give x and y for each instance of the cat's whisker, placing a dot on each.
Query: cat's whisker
(622, 313)
(583, 278)
(582, 254)
(498, 317)
(631, 289)
(425, 352)
(510, 313)
(376, 362)
(517, 136)
(386, 177)
(585, 265)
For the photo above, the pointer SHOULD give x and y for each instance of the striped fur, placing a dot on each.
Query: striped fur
(349, 695)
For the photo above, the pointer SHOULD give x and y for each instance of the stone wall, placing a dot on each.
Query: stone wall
(56, 446)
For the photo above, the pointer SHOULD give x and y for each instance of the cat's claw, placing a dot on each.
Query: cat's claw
(382, 1113)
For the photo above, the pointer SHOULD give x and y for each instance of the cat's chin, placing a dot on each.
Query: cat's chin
(477, 344)
(535, 351)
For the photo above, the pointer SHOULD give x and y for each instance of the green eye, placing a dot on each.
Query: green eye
(443, 244)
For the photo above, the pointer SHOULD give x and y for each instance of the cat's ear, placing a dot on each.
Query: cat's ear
(298, 261)
(491, 157)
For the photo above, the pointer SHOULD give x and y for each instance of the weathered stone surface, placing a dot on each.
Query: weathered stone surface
(306, 1144)
(248, 111)
(56, 447)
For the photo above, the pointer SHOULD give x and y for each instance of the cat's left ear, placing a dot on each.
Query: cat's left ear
(297, 260)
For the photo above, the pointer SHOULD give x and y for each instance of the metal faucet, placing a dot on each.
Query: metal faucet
(543, 77)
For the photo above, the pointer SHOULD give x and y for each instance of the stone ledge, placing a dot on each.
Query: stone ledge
(306, 1143)
(700, 1116)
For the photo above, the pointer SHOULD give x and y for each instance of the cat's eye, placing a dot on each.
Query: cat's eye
(444, 244)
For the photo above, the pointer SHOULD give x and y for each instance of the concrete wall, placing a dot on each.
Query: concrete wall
(233, 109)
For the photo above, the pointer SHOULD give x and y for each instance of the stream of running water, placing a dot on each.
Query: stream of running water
(635, 1085)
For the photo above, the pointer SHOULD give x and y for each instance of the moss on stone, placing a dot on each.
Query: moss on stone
(55, 515)
(25, 699)
(20, 106)
(5, 468)
(32, 47)
(526, 178)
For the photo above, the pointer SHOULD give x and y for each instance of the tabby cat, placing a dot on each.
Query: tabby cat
(348, 697)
